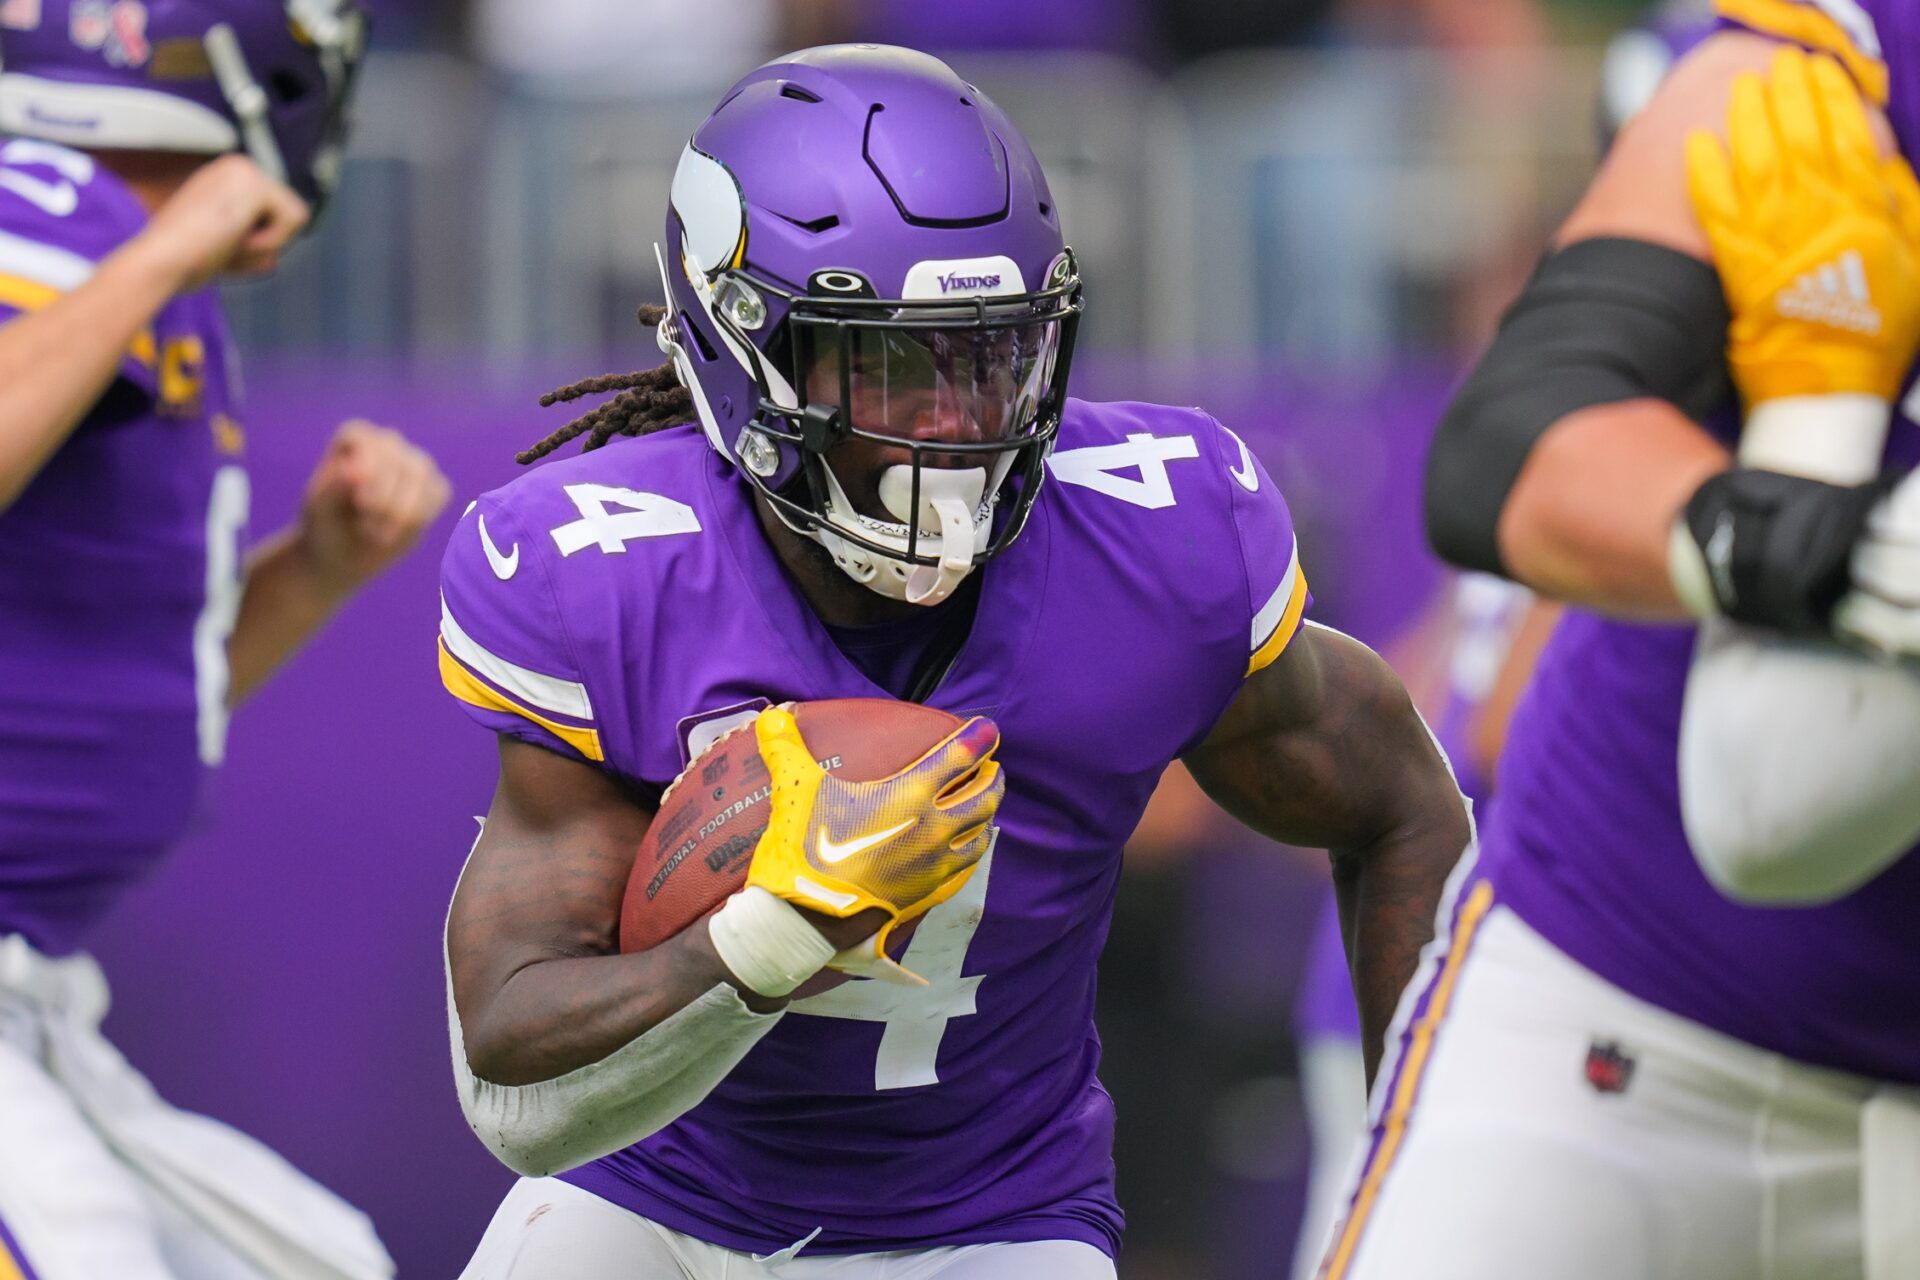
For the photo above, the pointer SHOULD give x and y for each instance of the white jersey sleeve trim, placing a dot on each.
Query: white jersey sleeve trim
(547, 693)
(1275, 608)
(27, 259)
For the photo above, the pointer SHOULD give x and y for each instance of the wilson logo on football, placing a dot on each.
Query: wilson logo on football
(1834, 293)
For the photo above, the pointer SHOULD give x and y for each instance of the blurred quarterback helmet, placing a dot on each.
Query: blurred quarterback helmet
(861, 250)
(270, 77)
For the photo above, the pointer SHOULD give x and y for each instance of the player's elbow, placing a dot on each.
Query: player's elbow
(530, 1151)
(538, 1130)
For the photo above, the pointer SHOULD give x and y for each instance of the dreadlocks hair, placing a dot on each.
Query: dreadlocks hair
(648, 401)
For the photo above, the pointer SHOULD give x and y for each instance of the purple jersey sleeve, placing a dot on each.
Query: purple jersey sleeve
(1277, 598)
(59, 218)
(505, 654)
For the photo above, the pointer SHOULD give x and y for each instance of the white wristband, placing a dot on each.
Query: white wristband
(1836, 438)
(766, 942)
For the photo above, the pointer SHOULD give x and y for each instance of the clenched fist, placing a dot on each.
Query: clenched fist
(229, 218)
(367, 503)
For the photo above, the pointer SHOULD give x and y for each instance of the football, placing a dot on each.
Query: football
(696, 852)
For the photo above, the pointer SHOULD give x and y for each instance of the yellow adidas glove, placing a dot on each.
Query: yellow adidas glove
(1816, 237)
(902, 844)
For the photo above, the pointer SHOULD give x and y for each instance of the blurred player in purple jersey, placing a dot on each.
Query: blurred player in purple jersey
(1488, 636)
(1686, 429)
(153, 147)
(859, 475)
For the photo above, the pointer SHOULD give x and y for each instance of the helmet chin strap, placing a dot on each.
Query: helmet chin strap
(950, 502)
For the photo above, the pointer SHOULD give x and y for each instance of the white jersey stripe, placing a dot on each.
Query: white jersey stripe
(42, 263)
(548, 693)
(1276, 606)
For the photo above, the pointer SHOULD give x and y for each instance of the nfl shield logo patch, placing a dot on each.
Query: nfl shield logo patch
(1608, 1069)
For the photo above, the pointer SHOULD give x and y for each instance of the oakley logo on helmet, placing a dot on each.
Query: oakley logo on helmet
(840, 282)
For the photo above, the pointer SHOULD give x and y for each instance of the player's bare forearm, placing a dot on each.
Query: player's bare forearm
(56, 362)
(366, 505)
(532, 937)
(1323, 748)
(1590, 518)
(282, 605)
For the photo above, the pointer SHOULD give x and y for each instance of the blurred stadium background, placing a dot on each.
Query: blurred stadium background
(1303, 214)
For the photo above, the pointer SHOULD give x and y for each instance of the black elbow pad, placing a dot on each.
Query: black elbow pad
(1601, 321)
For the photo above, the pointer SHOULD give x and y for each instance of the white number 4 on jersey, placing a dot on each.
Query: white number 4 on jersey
(641, 515)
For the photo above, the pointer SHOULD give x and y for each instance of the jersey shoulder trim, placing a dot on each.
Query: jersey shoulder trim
(1276, 583)
(50, 193)
(464, 683)
(485, 679)
(1278, 620)
(1839, 27)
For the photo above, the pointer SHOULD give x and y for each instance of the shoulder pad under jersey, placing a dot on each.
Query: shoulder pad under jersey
(550, 582)
(1180, 500)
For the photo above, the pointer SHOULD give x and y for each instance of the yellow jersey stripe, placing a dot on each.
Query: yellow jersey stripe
(463, 685)
(1816, 29)
(1286, 628)
(1419, 1050)
(547, 693)
(23, 294)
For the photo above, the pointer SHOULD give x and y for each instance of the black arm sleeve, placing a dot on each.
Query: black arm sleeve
(1601, 321)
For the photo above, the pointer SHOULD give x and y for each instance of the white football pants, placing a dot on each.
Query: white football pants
(1333, 1085)
(1537, 1122)
(101, 1180)
(547, 1229)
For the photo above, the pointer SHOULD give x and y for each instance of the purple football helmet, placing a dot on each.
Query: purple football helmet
(271, 77)
(861, 247)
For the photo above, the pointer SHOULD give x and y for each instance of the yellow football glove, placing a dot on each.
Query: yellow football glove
(903, 843)
(1816, 237)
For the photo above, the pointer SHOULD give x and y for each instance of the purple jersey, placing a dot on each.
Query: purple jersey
(118, 576)
(624, 606)
(1586, 842)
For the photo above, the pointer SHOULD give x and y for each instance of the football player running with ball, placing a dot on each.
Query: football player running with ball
(130, 620)
(1686, 428)
(858, 475)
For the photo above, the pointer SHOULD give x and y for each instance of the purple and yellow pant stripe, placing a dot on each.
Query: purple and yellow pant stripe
(13, 1259)
(1403, 1089)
